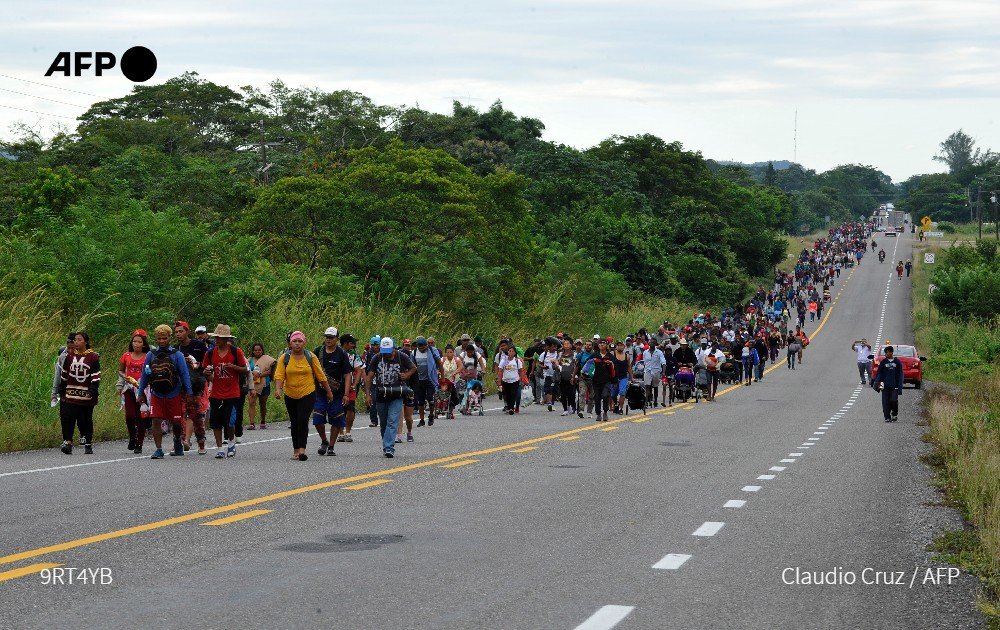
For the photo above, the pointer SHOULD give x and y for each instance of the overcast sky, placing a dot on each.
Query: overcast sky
(878, 82)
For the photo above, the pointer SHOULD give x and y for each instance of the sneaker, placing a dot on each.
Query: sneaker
(348, 437)
(373, 425)
(329, 452)
(157, 454)
(67, 447)
(178, 451)
(131, 444)
(187, 446)
(420, 424)
(251, 428)
(409, 437)
(342, 437)
(137, 450)
(239, 440)
(388, 454)
(399, 440)
(221, 453)
(564, 414)
(430, 421)
(231, 451)
(323, 447)
(201, 448)
(263, 426)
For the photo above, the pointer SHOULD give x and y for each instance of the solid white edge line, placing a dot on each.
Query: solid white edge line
(606, 617)
(672, 561)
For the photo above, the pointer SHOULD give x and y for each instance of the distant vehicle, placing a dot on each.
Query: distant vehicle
(894, 221)
(913, 369)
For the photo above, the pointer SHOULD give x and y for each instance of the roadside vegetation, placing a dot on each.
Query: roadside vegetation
(960, 334)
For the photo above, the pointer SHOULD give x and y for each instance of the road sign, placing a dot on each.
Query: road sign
(929, 259)
(931, 288)
(937, 234)
(926, 222)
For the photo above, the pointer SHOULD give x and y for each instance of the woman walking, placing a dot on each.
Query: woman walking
(129, 373)
(262, 367)
(794, 348)
(295, 379)
(80, 379)
(750, 360)
(509, 373)
(451, 370)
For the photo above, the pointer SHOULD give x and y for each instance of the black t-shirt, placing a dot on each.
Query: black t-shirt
(602, 368)
(195, 348)
(621, 366)
(336, 365)
(387, 371)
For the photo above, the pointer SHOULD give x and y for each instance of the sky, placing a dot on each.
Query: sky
(879, 82)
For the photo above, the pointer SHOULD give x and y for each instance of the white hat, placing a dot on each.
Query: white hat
(388, 346)
(330, 332)
(200, 329)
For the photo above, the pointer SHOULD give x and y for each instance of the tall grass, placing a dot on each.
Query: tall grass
(964, 427)
(34, 336)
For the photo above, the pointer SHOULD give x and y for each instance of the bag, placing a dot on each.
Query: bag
(392, 392)
(588, 368)
(163, 377)
(712, 363)
(805, 340)
(566, 373)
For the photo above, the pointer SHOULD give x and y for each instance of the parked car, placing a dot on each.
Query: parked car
(913, 369)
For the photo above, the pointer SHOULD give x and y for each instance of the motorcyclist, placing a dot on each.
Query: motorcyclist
(881, 255)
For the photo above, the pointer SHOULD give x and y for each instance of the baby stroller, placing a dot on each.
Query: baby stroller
(635, 396)
(474, 398)
(702, 383)
(442, 400)
(682, 387)
(826, 296)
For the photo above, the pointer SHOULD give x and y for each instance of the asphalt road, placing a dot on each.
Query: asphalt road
(535, 521)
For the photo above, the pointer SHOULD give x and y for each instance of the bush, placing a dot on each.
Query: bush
(968, 292)
(946, 226)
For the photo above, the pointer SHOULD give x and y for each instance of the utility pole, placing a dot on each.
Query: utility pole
(979, 209)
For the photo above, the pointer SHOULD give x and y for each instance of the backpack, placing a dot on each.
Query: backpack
(163, 376)
(712, 363)
(287, 356)
(566, 372)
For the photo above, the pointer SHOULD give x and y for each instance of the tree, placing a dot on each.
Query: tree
(939, 196)
(770, 177)
(959, 152)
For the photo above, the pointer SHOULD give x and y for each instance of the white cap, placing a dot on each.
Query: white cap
(388, 346)
(330, 332)
(200, 329)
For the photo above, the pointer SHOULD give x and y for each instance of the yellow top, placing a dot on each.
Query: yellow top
(298, 379)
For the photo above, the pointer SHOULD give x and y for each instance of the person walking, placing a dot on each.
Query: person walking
(262, 368)
(863, 350)
(385, 377)
(509, 368)
(129, 373)
(750, 360)
(165, 373)
(603, 380)
(909, 267)
(295, 379)
(339, 374)
(195, 405)
(889, 381)
(78, 393)
(225, 368)
(653, 363)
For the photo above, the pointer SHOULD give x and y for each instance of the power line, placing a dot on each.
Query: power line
(43, 98)
(54, 87)
(31, 111)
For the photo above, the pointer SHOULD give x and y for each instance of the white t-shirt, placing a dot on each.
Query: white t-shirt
(548, 359)
(511, 369)
(863, 352)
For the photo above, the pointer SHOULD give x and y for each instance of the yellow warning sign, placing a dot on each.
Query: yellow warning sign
(926, 222)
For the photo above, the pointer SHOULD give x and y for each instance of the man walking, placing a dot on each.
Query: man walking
(889, 381)
(864, 350)
(386, 374)
(339, 374)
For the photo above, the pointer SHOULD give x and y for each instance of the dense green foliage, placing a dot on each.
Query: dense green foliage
(156, 207)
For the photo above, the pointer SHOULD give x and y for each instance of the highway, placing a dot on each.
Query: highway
(696, 516)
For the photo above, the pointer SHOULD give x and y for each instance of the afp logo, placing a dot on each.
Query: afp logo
(138, 63)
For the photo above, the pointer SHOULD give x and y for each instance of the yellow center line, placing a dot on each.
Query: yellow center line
(464, 462)
(570, 438)
(28, 570)
(237, 517)
(524, 450)
(609, 429)
(638, 420)
(222, 509)
(367, 484)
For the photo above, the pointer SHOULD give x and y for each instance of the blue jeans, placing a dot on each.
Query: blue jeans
(388, 422)
(759, 369)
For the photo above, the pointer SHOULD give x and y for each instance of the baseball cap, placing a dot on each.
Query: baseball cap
(375, 340)
(347, 338)
(200, 329)
(407, 341)
(466, 337)
(386, 346)
(330, 332)
(597, 337)
(421, 341)
(183, 324)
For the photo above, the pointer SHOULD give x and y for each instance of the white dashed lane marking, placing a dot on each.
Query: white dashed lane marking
(672, 561)
(708, 528)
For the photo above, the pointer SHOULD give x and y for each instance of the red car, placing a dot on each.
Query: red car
(913, 370)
